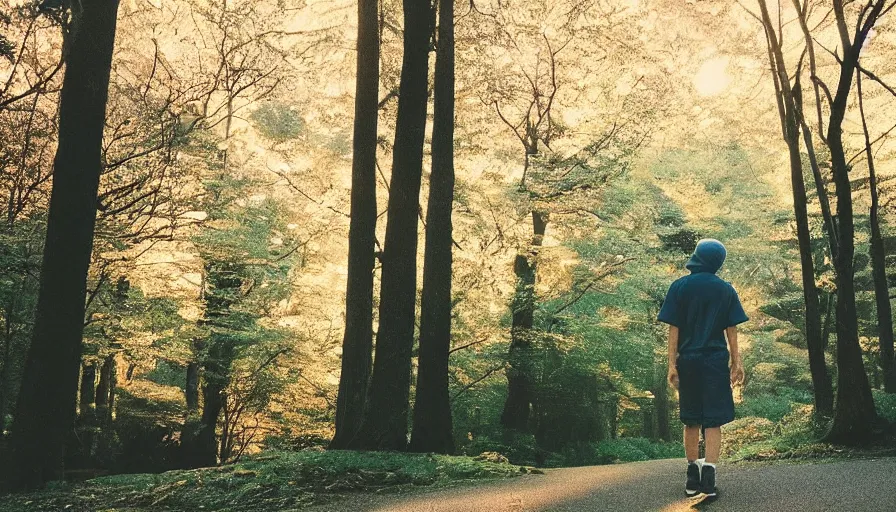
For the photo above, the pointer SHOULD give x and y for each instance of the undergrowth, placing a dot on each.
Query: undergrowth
(269, 481)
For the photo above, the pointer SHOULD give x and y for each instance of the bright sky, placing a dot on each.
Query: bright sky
(713, 77)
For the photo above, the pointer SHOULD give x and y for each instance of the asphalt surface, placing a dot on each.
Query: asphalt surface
(842, 486)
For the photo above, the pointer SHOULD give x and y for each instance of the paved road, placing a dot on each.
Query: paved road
(842, 486)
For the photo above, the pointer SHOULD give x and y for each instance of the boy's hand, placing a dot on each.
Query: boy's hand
(673, 377)
(737, 373)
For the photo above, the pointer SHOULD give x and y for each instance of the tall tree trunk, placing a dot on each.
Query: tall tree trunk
(225, 443)
(854, 413)
(103, 389)
(191, 389)
(821, 379)
(520, 392)
(216, 376)
(88, 388)
(432, 431)
(206, 439)
(830, 226)
(357, 343)
(878, 262)
(385, 422)
(787, 111)
(113, 386)
(820, 188)
(50, 381)
(4, 370)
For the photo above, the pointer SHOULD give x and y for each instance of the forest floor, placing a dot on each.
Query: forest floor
(269, 482)
(392, 482)
(855, 485)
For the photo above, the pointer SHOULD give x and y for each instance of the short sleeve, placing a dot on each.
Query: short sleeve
(670, 312)
(736, 314)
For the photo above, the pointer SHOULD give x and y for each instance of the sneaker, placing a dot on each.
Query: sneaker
(693, 485)
(708, 482)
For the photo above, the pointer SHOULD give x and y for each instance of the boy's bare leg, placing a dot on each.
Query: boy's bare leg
(692, 442)
(713, 438)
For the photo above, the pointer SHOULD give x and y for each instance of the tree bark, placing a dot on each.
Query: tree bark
(520, 392)
(191, 390)
(787, 111)
(216, 375)
(854, 414)
(88, 388)
(50, 382)
(385, 422)
(4, 370)
(215, 356)
(820, 188)
(206, 439)
(104, 388)
(878, 262)
(357, 343)
(113, 386)
(830, 226)
(432, 430)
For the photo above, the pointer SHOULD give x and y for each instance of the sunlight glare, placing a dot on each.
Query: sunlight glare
(713, 77)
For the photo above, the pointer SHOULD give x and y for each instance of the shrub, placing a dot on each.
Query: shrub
(886, 405)
(744, 431)
(632, 449)
(768, 406)
(679, 239)
(278, 121)
(518, 448)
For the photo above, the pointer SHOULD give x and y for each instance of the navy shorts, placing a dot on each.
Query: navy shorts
(704, 388)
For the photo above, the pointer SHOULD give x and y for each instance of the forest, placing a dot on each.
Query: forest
(261, 235)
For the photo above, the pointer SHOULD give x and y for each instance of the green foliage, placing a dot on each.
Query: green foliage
(745, 431)
(21, 246)
(269, 481)
(635, 449)
(682, 240)
(278, 121)
(167, 373)
(519, 448)
(774, 367)
(771, 407)
(885, 404)
(670, 215)
(789, 308)
(794, 436)
(611, 451)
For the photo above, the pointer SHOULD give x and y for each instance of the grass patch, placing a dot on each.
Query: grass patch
(269, 481)
(614, 451)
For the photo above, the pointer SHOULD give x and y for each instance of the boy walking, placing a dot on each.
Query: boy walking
(703, 311)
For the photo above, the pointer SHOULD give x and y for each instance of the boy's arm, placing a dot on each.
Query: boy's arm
(737, 367)
(673, 356)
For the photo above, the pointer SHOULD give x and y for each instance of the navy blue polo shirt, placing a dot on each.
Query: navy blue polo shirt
(702, 306)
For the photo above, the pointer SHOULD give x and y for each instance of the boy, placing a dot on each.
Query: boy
(702, 311)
